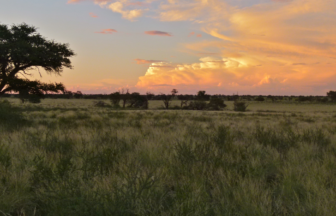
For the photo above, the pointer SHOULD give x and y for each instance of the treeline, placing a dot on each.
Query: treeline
(152, 96)
(185, 98)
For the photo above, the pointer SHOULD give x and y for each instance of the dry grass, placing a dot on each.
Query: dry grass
(68, 157)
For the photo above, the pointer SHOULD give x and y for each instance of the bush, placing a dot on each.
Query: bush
(259, 98)
(240, 106)
(216, 103)
(115, 99)
(197, 105)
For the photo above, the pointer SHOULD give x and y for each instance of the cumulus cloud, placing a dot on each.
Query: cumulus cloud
(158, 33)
(262, 52)
(107, 31)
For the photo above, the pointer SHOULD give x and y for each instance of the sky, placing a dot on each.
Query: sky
(278, 47)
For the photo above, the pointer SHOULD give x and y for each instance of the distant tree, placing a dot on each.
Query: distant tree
(68, 94)
(259, 98)
(202, 96)
(332, 95)
(115, 99)
(200, 101)
(125, 96)
(166, 99)
(78, 94)
(138, 101)
(150, 95)
(174, 92)
(184, 100)
(23, 49)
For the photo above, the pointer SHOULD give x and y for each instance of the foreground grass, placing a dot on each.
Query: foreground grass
(83, 160)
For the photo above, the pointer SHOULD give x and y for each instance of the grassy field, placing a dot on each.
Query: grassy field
(67, 157)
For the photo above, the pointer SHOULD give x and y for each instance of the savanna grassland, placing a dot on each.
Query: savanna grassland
(68, 157)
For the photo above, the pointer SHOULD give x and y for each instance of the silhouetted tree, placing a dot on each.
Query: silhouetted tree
(166, 99)
(125, 96)
(78, 94)
(259, 98)
(138, 101)
(150, 95)
(184, 100)
(332, 95)
(23, 49)
(115, 99)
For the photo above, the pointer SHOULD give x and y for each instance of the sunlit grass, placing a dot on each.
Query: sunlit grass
(71, 158)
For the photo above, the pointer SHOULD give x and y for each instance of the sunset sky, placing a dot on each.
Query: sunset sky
(282, 47)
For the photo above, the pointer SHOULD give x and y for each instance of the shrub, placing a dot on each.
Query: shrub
(216, 103)
(259, 98)
(240, 106)
(197, 105)
(115, 99)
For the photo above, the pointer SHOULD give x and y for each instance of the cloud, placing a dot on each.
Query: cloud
(143, 61)
(158, 33)
(93, 15)
(131, 15)
(285, 46)
(107, 31)
(99, 2)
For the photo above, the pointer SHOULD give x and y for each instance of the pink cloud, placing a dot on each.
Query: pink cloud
(191, 34)
(93, 15)
(143, 61)
(95, 1)
(107, 31)
(199, 35)
(158, 33)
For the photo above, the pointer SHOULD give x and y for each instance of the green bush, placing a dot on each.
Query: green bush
(216, 103)
(240, 106)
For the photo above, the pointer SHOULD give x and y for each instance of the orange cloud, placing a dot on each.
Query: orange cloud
(158, 33)
(191, 34)
(143, 61)
(292, 50)
(107, 31)
(93, 15)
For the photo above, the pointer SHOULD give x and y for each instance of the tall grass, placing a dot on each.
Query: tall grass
(103, 162)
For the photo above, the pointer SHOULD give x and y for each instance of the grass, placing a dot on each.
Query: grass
(67, 157)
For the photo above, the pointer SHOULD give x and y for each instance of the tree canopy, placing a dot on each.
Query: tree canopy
(23, 49)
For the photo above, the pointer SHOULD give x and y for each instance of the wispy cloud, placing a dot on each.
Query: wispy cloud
(93, 15)
(143, 61)
(107, 31)
(119, 7)
(158, 33)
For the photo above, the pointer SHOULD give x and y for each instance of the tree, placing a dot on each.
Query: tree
(184, 100)
(332, 95)
(125, 96)
(78, 94)
(23, 49)
(115, 99)
(174, 92)
(166, 99)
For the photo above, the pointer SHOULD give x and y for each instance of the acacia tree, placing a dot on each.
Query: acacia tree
(23, 49)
